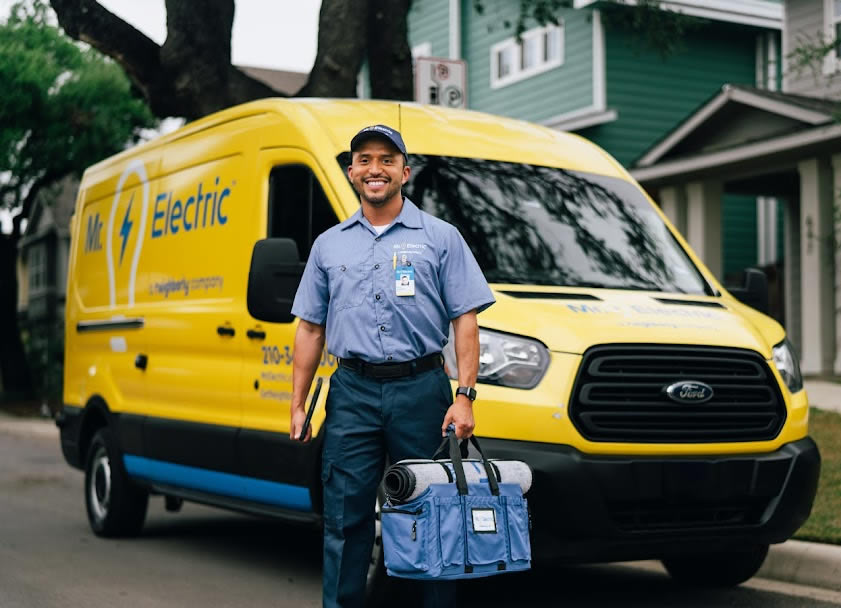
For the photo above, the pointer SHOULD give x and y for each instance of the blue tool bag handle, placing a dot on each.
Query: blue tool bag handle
(458, 465)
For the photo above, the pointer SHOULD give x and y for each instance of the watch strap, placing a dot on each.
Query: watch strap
(467, 391)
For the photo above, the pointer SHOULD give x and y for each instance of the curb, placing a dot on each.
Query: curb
(804, 563)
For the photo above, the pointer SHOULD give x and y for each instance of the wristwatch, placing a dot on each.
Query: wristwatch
(467, 391)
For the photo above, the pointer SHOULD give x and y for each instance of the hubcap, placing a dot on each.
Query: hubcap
(100, 484)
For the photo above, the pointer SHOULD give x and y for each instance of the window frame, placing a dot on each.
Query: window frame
(37, 267)
(518, 72)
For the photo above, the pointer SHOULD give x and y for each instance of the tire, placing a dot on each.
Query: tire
(116, 507)
(719, 569)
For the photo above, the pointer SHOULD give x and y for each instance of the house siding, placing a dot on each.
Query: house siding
(680, 84)
(543, 96)
(429, 21)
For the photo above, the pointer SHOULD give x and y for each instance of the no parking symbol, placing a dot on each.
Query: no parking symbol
(441, 82)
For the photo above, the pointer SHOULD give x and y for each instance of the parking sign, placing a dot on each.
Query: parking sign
(441, 82)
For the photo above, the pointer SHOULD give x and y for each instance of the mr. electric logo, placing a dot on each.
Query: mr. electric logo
(121, 220)
(193, 206)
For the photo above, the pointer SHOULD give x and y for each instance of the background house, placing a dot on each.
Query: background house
(784, 147)
(42, 277)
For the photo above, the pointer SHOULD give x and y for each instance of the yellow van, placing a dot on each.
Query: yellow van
(663, 417)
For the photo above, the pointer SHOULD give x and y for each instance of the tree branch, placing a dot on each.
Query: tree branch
(190, 75)
(90, 22)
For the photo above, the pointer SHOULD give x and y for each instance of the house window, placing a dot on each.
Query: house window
(37, 263)
(836, 26)
(539, 49)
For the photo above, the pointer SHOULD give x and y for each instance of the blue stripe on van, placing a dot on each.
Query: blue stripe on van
(248, 488)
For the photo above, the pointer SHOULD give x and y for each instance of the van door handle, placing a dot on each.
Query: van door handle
(256, 334)
(140, 361)
(223, 330)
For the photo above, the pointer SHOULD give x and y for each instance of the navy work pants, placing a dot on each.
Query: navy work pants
(368, 420)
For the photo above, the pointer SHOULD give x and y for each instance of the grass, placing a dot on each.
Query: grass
(824, 525)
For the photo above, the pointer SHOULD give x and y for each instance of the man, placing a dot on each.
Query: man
(382, 287)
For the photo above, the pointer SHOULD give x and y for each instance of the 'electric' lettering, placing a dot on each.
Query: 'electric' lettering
(168, 216)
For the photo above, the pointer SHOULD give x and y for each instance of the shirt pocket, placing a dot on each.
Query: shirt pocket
(348, 284)
(424, 281)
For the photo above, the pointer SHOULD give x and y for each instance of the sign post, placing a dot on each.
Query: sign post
(441, 82)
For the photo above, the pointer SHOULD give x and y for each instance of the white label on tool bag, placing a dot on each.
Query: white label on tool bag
(484, 520)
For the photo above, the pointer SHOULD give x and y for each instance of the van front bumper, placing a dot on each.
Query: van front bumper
(589, 508)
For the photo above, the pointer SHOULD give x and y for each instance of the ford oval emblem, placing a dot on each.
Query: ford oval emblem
(689, 391)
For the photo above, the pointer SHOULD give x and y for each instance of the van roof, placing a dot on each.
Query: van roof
(426, 130)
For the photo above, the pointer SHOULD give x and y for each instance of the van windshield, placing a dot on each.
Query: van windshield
(546, 226)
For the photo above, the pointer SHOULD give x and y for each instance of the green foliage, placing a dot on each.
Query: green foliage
(64, 106)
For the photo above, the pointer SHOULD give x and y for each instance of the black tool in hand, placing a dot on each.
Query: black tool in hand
(311, 408)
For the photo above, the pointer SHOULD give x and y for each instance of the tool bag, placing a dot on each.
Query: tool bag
(458, 530)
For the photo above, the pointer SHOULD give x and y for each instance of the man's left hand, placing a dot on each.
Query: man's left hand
(460, 413)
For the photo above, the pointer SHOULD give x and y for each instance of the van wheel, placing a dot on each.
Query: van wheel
(718, 569)
(116, 507)
(377, 583)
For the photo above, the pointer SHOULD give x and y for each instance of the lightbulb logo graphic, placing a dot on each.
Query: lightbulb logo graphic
(120, 231)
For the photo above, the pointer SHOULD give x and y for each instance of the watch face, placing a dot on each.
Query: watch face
(470, 393)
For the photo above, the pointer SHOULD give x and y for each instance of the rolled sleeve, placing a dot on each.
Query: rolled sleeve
(312, 296)
(463, 286)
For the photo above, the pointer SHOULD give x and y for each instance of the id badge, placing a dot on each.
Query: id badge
(404, 281)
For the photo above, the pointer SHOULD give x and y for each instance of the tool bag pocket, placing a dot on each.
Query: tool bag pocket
(406, 534)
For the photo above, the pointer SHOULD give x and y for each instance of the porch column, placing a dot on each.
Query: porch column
(673, 204)
(817, 254)
(836, 188)
(791, 272)
(703, 223)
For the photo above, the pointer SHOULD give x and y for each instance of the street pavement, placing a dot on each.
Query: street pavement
(800, 563)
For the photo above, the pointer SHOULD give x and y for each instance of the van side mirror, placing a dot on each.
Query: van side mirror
(754, 290)
(273, 280)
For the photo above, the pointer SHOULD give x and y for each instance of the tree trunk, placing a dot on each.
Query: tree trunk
(389, 57)
(14, 369)
(342, 32)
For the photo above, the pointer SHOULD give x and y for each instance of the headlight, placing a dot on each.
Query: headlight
(504, 359)
(787, 365)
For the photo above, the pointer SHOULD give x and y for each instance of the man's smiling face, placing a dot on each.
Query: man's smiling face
(378, 171)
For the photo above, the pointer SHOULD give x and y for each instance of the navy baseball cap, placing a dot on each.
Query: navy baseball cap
(381, 131)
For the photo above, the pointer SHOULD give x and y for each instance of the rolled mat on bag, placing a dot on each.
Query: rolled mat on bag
(408, 479)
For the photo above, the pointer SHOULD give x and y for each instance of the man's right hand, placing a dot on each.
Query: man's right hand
(297, 417)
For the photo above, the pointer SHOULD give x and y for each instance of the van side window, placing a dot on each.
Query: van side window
(298, 207)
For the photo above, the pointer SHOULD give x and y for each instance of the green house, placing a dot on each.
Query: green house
(592, 74)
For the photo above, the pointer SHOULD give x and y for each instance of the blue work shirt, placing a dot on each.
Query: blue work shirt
(349, 286)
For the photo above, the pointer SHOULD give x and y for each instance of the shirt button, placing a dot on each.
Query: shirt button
(343, 268)
(376, 266)
(382, 327)
(377, 296)
(388, 358)
(377, 239)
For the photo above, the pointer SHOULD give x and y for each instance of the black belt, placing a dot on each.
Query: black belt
(394, 370)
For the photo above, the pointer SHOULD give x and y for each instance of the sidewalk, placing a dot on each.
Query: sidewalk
(823, 394)
(803, 563)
